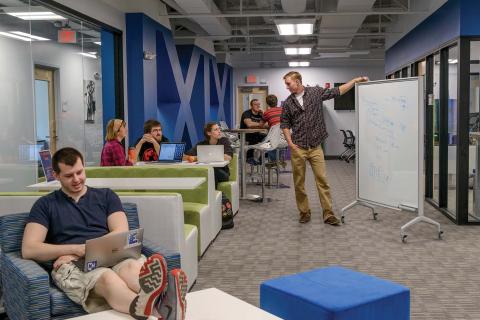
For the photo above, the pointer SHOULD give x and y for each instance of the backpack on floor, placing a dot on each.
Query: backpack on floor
(227, 213)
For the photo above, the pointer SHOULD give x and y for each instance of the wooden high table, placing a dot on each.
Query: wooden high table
(242, 161)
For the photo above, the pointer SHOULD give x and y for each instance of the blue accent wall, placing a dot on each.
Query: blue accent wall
(455, 18)
(469, 18)
(175, 87)
(108, 78)
(442, 26)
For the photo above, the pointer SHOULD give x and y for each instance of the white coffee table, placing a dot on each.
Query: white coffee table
(214, 304)
(208, 304)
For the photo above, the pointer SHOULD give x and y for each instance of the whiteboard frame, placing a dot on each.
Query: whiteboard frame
(421, 133)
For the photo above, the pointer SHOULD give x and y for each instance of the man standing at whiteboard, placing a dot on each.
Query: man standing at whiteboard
(303, 114)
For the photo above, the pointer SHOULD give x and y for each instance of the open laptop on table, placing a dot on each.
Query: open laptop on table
(171, 152)
(209, 154)
(110, 249)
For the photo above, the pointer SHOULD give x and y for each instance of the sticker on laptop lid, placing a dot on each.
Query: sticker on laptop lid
(91, 265)
(133, 239)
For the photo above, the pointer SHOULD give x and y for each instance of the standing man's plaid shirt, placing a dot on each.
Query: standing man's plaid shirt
(307, 122)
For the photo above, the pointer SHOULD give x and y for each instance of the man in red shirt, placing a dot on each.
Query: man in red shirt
(273, 114)
(272, 117)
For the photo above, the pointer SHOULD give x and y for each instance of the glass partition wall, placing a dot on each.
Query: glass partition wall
(474, 131)
(452, 127)
(51, 89)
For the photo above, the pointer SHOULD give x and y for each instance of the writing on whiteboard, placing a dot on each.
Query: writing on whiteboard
(378, 173)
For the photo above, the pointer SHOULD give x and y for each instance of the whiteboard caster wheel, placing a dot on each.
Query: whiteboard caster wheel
(342, 219)
(440, 234)
(404, 238)
(375, 215)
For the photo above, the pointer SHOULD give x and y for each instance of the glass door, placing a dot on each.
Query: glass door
(45, 118)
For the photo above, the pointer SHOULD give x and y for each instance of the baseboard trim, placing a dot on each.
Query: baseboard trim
(331, 157)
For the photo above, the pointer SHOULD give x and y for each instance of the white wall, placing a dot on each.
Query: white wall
(334, 119)
(73, 69)
(17, 114)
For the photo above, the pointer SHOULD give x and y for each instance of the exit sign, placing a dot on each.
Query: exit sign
(67, 36)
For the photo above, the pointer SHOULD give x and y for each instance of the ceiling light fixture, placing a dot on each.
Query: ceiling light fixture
(34, 13)
(14, 36)
(89, 55)
(98, 42)
(304, 28)
(31, 36)
(299, 64)
(298, 51)
(286, 29)
(292, 27)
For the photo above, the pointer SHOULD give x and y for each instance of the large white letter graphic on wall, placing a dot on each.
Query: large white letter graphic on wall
(220, 90)
(185, 89)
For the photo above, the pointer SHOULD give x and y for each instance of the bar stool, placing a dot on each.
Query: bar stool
(272, 141)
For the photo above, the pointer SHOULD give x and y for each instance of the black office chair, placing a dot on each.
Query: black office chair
(345, 144)
(351, 143)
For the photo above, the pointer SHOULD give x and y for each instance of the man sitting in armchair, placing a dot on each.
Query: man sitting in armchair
(57, 228)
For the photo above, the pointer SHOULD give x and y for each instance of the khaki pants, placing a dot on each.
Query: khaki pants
(79, 285)
(300, 157)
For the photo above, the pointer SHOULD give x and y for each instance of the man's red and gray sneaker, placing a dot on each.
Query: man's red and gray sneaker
(153, 284)
(173, 306)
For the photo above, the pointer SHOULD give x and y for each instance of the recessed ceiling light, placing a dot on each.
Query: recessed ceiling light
(286, 29)
(297, 51)
(299, 64)
(291, 51)
(304, 28)
(33, 13)
(31, 36)
(98, 42)
(304, 50)
(89, 55)
(290, 27)
(14, 36)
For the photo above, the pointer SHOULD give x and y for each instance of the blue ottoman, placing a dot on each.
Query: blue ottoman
(334, 293)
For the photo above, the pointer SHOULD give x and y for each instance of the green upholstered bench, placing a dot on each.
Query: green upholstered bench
(200, 205)
(231, 187)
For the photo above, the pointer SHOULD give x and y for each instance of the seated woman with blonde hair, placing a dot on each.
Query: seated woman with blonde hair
(113, 153)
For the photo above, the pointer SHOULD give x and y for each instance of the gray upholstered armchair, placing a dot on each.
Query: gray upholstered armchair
(26, 285)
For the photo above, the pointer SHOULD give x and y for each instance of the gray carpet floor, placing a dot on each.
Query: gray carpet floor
(267, 242)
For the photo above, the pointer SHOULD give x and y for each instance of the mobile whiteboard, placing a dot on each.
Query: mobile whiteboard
(390, 142)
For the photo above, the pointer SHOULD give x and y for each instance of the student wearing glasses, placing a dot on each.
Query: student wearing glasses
(113, 152)
(148, 146)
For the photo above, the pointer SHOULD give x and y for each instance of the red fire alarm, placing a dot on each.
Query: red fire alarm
(327, 85)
